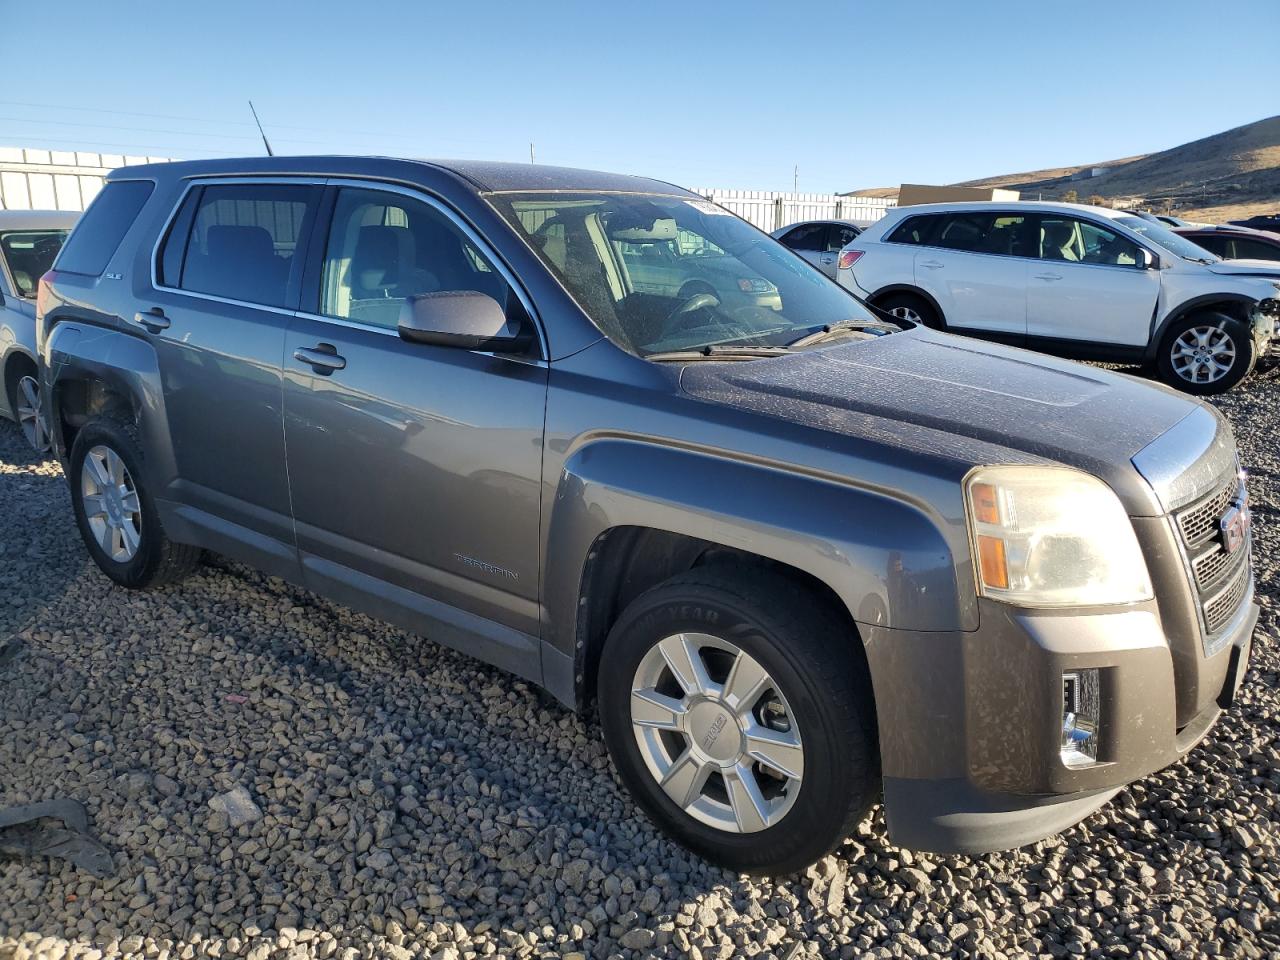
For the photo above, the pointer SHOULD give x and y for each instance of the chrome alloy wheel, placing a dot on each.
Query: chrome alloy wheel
(111, 504)
(31, 414)
(716, 733)
(1203, 354)
(906, 313)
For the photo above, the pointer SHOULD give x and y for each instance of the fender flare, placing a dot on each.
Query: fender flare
(1185, 308)
(124, 364)
(888, 561)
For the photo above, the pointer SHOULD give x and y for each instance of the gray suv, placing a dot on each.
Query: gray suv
(796, 556)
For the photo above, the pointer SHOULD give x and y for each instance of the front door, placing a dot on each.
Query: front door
(415, 470)
(227, 281)
(1089, 285)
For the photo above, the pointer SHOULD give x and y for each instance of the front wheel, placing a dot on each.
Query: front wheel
(115, 511)
(1206, 354)
(738, 711)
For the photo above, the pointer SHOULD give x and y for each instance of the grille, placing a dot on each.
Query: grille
(1200, 523)
(1221, 579)
(1219, 610)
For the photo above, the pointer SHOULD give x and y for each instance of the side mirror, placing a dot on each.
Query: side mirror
(1148, 260)
(465, 319)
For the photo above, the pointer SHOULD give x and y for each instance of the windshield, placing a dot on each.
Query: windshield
(659, 274)
(30, 254)
(1159, 233)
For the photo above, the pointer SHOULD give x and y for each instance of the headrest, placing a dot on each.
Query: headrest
(225, 240)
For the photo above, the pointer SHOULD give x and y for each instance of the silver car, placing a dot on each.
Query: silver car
(819, 241)
(29, 242)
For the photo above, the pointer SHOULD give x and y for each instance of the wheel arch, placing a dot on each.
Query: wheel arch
(1235, 305)
(628, 515)
(915, 291)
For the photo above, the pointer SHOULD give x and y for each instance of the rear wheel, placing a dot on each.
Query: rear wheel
(1206, 354)
(739, 713)
(115, 510)
(909, 306)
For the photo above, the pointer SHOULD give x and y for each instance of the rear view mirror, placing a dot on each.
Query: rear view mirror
(465, 319)
(1148, 260)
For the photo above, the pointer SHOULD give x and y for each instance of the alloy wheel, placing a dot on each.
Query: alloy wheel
(111, 504)
(31, 414)
(1203, 354)
(716, 732)
(906, 313)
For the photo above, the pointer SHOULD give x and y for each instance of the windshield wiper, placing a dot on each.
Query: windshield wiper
(832, 329)
(721, 351)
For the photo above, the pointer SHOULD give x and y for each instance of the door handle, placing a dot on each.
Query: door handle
(1048, 276)
(152, 320)
(322, 358)
(932, 265)
(828, 258)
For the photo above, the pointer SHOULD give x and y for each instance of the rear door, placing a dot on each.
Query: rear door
(226, 283)
(415, 470)
(975, 267)
(1088, 285)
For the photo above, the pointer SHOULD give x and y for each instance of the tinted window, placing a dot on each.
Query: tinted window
(1250, 249)
(841, 234)
(384, 248)
(243, 240)
(996, 233)
(911, 230)
(174, 248)
(1078, 241)
(29, 253)
(807, 236)
(103, 226)
(1218, 245)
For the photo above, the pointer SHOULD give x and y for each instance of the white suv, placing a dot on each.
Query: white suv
(1078, 281)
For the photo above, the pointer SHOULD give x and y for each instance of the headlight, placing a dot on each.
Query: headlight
(1052, 537)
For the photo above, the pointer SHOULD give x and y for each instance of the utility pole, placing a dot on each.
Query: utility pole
(531, 160)
(795, 179)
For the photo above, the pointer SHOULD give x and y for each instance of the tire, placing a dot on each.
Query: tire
(23, 390)
(910, 306)
(1220, 339)
(154, 559)
(817, 691)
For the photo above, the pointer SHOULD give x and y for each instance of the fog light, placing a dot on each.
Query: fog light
(1081, 707)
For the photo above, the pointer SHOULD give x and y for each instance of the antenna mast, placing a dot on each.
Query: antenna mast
(265, 142)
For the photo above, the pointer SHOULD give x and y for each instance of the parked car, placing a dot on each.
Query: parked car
(1265, 221)
(1235, 243)
(819, 241)
(29, 241)
(1073, 280)
(796, 558)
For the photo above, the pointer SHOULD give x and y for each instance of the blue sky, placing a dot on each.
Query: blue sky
(863, 93)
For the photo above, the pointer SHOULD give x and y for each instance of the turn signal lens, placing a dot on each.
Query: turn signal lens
(991, 560)
(849, 257)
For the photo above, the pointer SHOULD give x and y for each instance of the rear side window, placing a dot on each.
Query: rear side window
(1246, 248)
(241, 241)
(911, 230)
(840, 235)
(808, 236)
(94, 241)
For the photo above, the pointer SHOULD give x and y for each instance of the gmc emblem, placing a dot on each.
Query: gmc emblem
(1234, 526)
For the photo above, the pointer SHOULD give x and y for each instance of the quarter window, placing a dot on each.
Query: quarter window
(94, 241)
(384, 248)
(243, 241)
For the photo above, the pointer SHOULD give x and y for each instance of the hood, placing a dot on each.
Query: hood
(922, 386)
(1246, 268)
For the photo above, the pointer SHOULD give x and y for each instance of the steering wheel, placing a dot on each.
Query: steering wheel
(690, 304)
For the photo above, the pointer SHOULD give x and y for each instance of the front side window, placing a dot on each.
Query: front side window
(243, 241)
(94, 241)
(29, 254)
(386, 247)
(1246, 248)
(807, 236)
(1080, 241)
(659, 273)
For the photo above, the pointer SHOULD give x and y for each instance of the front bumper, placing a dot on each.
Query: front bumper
(970, 723)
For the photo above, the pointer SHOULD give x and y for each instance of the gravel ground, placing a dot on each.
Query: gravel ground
(403, 801)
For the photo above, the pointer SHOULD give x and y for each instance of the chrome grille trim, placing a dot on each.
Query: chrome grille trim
(1199, 524)
(1219, 579)
(1219, 609)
